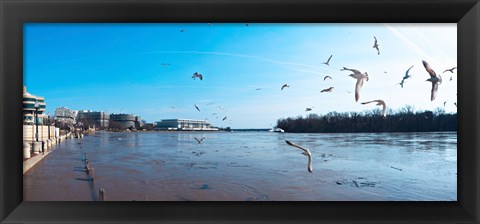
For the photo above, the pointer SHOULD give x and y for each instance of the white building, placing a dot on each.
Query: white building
(184, 125)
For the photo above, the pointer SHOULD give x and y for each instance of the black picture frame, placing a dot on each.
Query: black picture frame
(14, 13)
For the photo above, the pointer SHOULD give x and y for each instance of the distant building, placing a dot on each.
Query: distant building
(65, 116)
(184, 125)
(29, 101)
(93, 118)
(138, 122)
(122, 121)
(150, 126)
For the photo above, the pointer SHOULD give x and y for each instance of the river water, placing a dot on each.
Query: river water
(249, 166)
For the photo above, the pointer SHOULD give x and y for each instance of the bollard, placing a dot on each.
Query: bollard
(44, 146)
(37, 147)
(92, 173)
(26, 150)
(102, 196)
(49, 144)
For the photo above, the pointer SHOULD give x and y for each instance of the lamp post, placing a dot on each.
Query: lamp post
(36, 119)
(48, 125)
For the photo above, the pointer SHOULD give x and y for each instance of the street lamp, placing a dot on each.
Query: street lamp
(36, 119)
(48, 124)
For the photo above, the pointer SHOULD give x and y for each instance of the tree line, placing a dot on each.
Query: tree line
(402, 120)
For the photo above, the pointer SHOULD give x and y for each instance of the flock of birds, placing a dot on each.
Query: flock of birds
(435, 79)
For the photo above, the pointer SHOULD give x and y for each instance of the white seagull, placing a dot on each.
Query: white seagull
(379, 102)
(305, 152)
(450, 70)
(360, 79)
(199, 140)
(434, 78)
(375, 45)
(406, 76)
(328, 90)
(328, 61)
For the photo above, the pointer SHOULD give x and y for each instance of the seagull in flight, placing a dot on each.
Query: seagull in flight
(197, 107)
(225, 118)
(197, 75)
(305, 152)
(258, 89)
(165, 64)
(444, 103)
(406, 76)
(328, 61)
(284, 86)
(328, 90)
(379, 102)
(360, 79)
(450, 70)
(308, 109)
(375, 45)
(327, 76)
(199, 140)
(181, 31)
(434, 78)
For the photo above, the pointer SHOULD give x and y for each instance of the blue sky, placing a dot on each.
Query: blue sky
(118, 68)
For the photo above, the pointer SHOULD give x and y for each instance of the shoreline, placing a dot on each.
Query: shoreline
(29, 163)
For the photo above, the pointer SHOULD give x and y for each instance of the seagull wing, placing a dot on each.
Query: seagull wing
(369, 102)
(358, 87)
(434, 90)
(297, 146)
(429, 69)
(326, 77)
(199, 141)
(406, 73)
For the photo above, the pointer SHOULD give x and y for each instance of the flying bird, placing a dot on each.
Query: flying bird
(199, 140)
(165, 64)
(284, 86)
(305, 152)
(197, 75)
(221, 107)
(434, 78)
(444, 103)
(327, 76)
(455, 104)
(379, 102)
(360, 79)
(406, 76)
(181, 31)
(258, 89)
(225, 118)
(328, 61)
(197, 107)
(450, 70)
(308, 109)
(375, 45)
(451, 78)
(328, 90)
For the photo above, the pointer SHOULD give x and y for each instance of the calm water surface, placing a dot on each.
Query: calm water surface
(249, 166)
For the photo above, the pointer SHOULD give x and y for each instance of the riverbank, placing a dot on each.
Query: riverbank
(38, 155)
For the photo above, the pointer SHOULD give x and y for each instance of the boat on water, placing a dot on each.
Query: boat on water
(276, 130)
